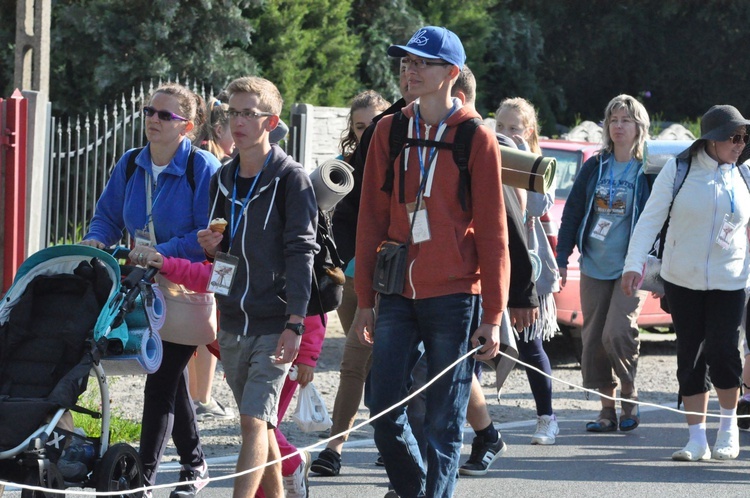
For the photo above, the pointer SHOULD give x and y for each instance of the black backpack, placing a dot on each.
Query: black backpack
(189, 169)
(327, 287)
(461, 147)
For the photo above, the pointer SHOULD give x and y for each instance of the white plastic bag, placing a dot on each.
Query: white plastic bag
(311, 414)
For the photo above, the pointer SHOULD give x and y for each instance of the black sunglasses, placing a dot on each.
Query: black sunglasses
(739, 138)
(163, 115)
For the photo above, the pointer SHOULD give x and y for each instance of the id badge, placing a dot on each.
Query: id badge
(724, 238)
(222, 274)
(143, 238)
(601, 229)
(421, 230)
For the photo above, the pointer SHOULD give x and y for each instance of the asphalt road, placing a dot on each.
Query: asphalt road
(580, 464)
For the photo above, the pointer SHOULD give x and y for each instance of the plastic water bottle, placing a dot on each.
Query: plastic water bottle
(76, 460)
(81, 452)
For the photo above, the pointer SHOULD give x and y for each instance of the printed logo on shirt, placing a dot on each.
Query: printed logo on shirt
(613, 199)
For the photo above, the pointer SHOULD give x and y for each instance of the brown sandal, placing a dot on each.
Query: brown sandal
(630, 414)
(606, 421)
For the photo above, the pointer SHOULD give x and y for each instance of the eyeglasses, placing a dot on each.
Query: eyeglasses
(420, 64)
(739, 138)
(163, 115)
(248, 114)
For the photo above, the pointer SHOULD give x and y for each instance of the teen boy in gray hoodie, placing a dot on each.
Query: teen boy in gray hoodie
(268, 201)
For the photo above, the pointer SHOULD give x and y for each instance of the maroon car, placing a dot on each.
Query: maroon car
(570, 158)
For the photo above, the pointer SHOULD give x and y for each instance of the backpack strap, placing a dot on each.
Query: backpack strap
(461, 151)
(396, 140)
(130, 168)
(683, 167)
(461, 147)
(189, 169)
(745, 172)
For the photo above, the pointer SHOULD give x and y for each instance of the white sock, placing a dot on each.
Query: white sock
(728, 418)
(698, 434)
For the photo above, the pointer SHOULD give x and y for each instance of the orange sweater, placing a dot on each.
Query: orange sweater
(468, 250)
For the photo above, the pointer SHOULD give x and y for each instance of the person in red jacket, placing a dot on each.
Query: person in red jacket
(456, 252)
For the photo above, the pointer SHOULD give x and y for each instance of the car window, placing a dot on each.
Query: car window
(568, 163)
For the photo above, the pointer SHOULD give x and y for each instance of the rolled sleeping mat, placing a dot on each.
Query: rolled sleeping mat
(526, 170)
(157, 311)
(656, 153)
(144, 315)
(331, 181)
(142, 354)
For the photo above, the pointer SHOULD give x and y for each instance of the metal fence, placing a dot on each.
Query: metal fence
(83, 152)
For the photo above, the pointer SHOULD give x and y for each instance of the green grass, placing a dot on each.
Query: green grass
(122, 430)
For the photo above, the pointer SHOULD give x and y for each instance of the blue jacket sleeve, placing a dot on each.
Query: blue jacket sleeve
(186, 245)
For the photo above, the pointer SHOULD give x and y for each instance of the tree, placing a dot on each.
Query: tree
(379, 24)
(102, 48)
(305, 48)
(7, 46)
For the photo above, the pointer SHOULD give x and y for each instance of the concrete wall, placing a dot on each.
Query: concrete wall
(314, 133)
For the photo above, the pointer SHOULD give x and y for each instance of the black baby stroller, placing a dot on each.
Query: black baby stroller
(47, 352)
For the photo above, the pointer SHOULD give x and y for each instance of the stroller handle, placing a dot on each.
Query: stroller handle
(134, 273)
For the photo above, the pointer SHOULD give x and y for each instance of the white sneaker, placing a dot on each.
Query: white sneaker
(727, 445)
(296, 485)
(546, 430)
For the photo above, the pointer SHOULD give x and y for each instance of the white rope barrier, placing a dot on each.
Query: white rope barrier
(364, 423)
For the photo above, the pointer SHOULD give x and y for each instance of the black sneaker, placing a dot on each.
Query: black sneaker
(482, 456)
(743, 408)
(200, 475)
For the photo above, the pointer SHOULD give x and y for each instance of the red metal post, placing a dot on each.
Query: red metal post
(13, 148)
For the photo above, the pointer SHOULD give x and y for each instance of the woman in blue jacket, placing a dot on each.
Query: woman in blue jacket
(605, 202)
(160, 195)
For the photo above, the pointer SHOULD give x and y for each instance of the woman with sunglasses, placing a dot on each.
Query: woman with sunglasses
(162, 210)
(705, 271)
(603, 207)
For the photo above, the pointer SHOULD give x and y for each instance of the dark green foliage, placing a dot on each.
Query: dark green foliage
(567, 57)
(305, 48)
(101, 48)
(379, 24)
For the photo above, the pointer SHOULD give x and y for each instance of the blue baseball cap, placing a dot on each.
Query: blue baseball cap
(433, 42)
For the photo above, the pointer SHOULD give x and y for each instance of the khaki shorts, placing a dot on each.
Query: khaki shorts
(254, 378)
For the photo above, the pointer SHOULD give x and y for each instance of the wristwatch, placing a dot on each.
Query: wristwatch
(297, 328)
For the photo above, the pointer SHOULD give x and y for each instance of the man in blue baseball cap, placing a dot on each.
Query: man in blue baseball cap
(434, 43)
(451, 222)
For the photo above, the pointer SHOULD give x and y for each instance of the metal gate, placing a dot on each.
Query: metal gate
(83, 153)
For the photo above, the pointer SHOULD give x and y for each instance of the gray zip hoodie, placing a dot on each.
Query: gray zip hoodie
(275, 247)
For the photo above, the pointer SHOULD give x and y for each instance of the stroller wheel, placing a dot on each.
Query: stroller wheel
(120, 470)
(47, 476)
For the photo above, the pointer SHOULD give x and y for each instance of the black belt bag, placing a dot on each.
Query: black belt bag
(390, 268)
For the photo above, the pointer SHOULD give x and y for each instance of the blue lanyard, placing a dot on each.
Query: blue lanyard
(612, 178)
(431, 154)
(730, 192)
(234, 225)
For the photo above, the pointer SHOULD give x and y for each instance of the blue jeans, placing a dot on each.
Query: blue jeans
(444, 324)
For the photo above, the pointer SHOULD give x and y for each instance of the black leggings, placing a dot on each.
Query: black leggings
(168, 410)
(707, 326)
